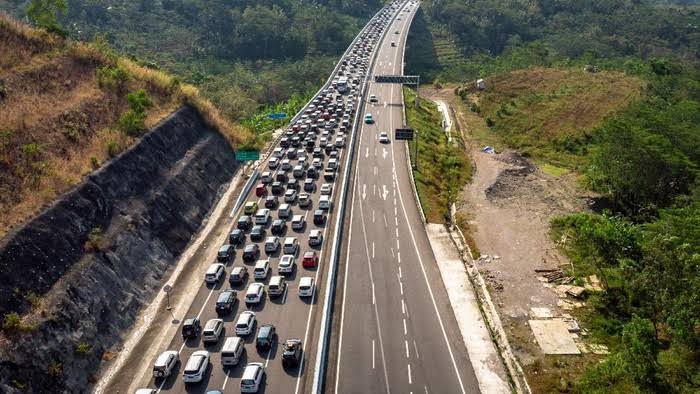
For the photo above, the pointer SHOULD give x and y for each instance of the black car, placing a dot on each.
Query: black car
(319, 217)
(284, 142)
(291, 357)
(238, 275)
(312, 172)
(191, 328)
(244, 223)
(271, 202)
(266, 337)
(236, 237)
(293, 184)
(251, 252)
(257, 234)
(279, 227)
(296, 141)
(277, 188)
(281, 177)
(225, 302)
(329, 148)
(225, 254)
(309, 185)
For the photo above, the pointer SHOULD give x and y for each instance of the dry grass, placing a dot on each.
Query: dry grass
(547, 113)
(57, 123)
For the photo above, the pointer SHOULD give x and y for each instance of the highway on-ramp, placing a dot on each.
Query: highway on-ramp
(394, 329)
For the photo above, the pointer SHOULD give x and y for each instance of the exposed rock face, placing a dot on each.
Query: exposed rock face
(98, 254)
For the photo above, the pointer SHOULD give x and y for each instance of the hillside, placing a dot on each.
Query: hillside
(67, 107)
(241, 54)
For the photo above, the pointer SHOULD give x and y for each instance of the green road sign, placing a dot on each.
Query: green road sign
(247, 155)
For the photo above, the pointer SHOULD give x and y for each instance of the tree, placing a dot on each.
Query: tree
(44, 13)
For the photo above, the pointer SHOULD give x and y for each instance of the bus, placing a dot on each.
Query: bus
(342, 84)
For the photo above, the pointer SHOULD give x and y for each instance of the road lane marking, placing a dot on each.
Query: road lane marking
(400, 276)
(403, 307)
(364, 191)
(373, 249)
(410, 380)
(405, 341)
(205, 303)
(415, 346)
(386, 224)
(405, 328)
(373, 366)
(398, 257)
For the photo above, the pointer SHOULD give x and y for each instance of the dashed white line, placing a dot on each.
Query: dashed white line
(405, 328)
(373, 366)
(405, 341)
(403, 307)
(415, 346)
(410, 378)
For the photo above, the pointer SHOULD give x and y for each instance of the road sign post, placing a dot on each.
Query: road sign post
(167, 289)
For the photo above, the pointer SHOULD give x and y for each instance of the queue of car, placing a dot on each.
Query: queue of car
(285, 192)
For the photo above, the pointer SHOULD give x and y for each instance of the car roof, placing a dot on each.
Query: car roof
(211, 323)
(306, 280)
(310, 253)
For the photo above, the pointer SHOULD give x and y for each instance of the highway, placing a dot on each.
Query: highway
(394, 329)
(293, 317)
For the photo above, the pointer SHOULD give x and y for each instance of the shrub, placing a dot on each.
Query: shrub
(475, 108)
(113, 77)
(83, 349)
(31, 150)
(12, 322)
(33, 298)
(94, 240)
(94, 162)
(132, 121)
(490, 122)
(55, 369)
(113, 148)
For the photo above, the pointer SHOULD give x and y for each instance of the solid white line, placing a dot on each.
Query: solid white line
(373, 366)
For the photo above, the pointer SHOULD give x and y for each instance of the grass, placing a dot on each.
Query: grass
(59, 119)
(442, 168)
(549, 113)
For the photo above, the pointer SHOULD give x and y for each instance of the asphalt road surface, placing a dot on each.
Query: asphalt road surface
(294, 317)
(394, 328)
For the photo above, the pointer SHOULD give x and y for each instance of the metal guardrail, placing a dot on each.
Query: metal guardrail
(322, 350)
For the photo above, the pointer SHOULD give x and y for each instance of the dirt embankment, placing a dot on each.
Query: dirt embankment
(79, 272)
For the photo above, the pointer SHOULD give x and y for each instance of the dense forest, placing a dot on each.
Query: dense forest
(241, 54)
(643, 162)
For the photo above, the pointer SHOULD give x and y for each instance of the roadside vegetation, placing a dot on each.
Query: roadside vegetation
(608, 90)
(242, 55)
(442, 168)
(67, 107)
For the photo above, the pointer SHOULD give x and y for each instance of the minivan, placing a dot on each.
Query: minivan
(277, 286)
(306, 286)
(262, 268)
(165, 363)
(196, 366)
(262, 216)
(325, 203)
(232, 351)
(252, 377)
(284, 211)
(245, 323)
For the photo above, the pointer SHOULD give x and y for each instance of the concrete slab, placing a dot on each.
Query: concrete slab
(553, 336)
(482, 353)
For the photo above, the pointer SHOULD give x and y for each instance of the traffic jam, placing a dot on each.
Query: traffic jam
(275, 247)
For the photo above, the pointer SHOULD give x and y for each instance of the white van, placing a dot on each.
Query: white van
(245, 323)
(165, 363)
(262, 268)
(232, 351)
(284, 211)
(212, 330)
(252, 377)
(196, 366)
(332, 163)
(325, 203)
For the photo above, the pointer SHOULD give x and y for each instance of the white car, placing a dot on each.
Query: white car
(325, 203)
(286, 264)
(266, 177)
(315, 237)
(285, 165)
(326, 189)
(290, 196)
(196, 367)
(245, 323)
(165, 363)
(298, 222)
(272, 244)
(290, 245)
(384, 137)
(373, 98)
(261, 270)
(274, 162)
(262, 216)
(255, 293)
(304, 200)
(317, 162)
(278, 153)
(252, 377)
(214, 273)
(306, 286)
(212, 330)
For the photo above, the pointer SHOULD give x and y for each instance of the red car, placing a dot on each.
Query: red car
(260, 190)
(310, 259)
